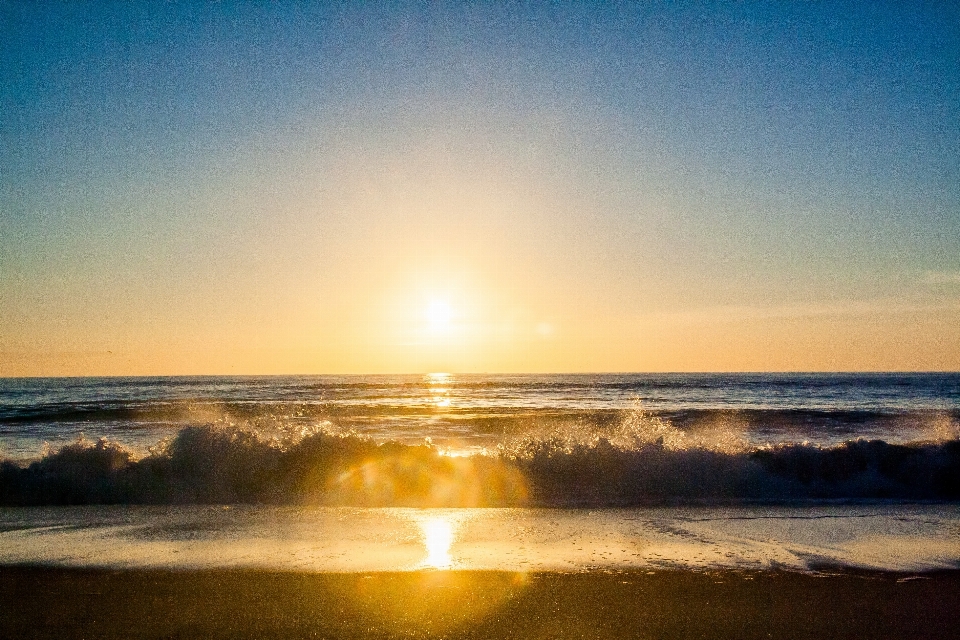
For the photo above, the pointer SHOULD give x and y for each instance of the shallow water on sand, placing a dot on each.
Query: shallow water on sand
(900, 537)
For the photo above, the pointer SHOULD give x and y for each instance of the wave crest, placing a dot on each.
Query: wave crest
(636, 429)
(641, 460)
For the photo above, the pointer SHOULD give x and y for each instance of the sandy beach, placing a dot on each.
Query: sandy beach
(248, 571)
(85, 603)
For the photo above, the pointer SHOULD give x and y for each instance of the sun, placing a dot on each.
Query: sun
(439, 315)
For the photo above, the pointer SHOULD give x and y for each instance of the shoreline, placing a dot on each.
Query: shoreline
(49, 602)
(351, 540)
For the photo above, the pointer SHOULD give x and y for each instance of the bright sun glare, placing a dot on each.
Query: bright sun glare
(439, 314)
(437, 538)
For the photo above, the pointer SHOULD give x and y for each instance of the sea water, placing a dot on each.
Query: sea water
(470, 413)
(824, 537)
(580, 472)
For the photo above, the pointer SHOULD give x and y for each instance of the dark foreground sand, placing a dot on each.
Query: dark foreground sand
(84, 603)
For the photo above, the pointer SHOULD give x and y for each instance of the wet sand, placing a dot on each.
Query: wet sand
(45, 602)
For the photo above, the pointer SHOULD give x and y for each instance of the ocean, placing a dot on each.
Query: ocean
(859, 435)
(574, 472)
(470, 413)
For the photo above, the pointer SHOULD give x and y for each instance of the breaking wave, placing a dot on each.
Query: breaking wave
(642, 459)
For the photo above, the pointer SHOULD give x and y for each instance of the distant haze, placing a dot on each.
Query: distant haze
(215, 188)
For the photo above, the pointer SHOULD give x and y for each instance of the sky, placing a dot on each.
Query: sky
(233, 188)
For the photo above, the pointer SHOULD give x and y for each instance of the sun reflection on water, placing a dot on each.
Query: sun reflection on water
(438, 387)
(438, 535)
(432, 595)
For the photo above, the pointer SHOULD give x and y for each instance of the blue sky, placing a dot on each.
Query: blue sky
(212, 188)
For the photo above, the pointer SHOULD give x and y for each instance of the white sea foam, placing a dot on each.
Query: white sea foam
(888, 537)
